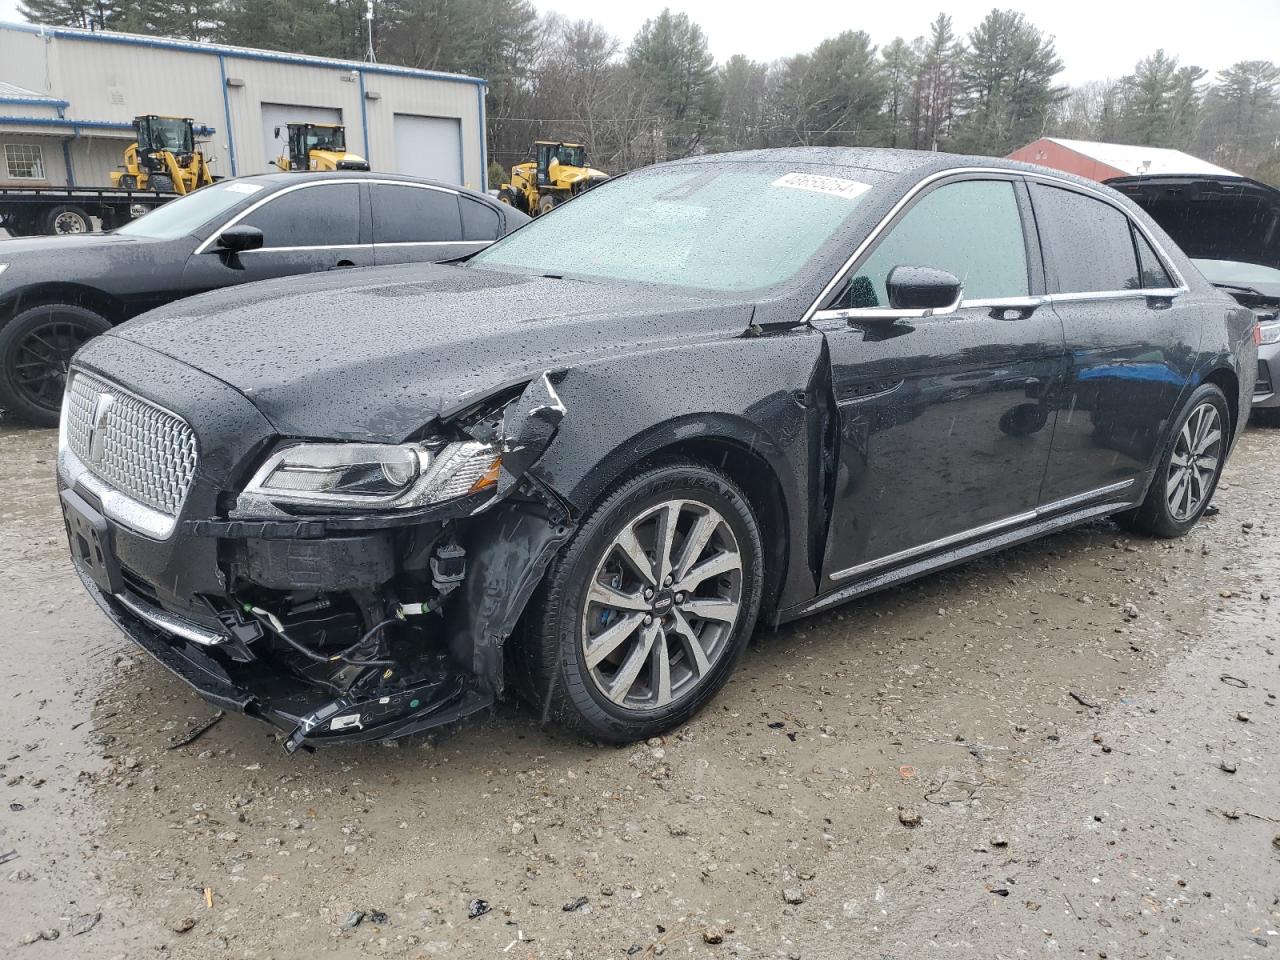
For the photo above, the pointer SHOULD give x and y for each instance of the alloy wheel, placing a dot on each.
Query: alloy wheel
(662, 605)
(1194, 462)
(42, 359)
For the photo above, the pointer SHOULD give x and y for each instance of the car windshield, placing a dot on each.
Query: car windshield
(182, 217)
(1263, 279)
(726, 228)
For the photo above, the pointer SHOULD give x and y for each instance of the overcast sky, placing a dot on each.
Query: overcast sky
(1096, 38)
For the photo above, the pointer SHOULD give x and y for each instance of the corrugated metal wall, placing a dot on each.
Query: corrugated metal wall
(108, 78)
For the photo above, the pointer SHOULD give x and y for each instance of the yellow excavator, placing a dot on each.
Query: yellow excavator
(163, 157)
(318, 146)
(557, 172)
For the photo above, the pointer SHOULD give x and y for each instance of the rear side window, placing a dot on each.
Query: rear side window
(479, 220)
(321, 215)
(1154, 275)
(1088, 244)
(971, 229)
(415, 215)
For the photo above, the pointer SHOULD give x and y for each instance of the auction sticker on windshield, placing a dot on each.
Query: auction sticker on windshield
(243, 187)
(836, 186)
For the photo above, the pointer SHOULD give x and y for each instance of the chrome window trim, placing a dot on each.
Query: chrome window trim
(205, 244)
(164, 621)
(873, 235)
(973, 533)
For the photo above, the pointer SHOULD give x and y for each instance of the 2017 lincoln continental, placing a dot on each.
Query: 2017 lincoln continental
(584, 464)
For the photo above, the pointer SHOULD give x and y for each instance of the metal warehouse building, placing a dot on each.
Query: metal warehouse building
(68, 98)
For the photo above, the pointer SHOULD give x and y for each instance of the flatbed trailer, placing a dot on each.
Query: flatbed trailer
(28, 211)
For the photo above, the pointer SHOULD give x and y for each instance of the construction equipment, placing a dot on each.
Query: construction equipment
(163, 158)
(557, 173)
(318, 146)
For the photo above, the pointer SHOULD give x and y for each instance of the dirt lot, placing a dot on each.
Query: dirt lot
(1083, 732)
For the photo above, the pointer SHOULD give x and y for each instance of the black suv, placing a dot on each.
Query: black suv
(586, 462)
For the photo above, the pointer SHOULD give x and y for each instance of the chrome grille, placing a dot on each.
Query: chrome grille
(141, 450)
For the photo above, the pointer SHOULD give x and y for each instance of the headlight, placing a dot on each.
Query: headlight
(368, 476)
(1269, 332)
(3, 267)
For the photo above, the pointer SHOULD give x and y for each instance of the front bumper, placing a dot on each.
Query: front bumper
(301, 711)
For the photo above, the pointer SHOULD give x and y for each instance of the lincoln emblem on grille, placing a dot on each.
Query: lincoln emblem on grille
(97, 432)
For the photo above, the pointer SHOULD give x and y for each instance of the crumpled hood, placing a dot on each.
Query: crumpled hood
(376, 354)
(1212, 218)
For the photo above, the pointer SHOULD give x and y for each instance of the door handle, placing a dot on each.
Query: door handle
(1010, 308)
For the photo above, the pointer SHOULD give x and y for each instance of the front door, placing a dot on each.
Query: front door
(946, 421)
(309, 229)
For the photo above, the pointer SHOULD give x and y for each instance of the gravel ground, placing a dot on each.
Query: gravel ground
(1068, 749)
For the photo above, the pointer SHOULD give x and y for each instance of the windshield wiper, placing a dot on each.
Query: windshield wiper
(1240, 288)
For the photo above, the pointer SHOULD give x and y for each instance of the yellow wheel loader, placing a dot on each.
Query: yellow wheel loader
(557, 173)
(163, 158)
(318, 146)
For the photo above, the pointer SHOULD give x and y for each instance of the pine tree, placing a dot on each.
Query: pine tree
(669, 55)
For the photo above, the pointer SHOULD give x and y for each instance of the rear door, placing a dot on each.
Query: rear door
(944, 421)
(1131, 338)
(419, 222)
(306, 229)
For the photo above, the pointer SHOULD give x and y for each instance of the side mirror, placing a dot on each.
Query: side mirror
(923, 288)
(240, 238)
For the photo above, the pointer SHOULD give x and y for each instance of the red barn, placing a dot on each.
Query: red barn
(1102, 161)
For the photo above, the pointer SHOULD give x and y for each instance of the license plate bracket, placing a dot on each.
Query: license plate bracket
(90, 540)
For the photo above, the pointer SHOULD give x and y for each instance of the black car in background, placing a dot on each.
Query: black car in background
(57, 292)
(1230, 228)
(585, 462)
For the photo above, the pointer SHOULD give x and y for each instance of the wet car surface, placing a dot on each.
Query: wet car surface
(537, 471)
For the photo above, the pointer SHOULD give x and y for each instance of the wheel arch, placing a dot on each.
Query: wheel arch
(1226, 380)
(77, 294)
(734, 446)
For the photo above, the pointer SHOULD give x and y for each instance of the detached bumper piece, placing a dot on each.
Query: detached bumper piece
(376, 707)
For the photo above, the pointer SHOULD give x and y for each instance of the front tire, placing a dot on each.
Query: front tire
(36, 347)
(546, 203)
(1188, 473)
(643, 616)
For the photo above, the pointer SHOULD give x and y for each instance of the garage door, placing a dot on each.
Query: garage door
(276, 115)
(429, 147)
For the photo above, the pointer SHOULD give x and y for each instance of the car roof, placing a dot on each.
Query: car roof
(283, 178)
(892, 163)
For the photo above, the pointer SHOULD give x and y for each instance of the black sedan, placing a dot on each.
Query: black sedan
(586, 462)
(57, 292)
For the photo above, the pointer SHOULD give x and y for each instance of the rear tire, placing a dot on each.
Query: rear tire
(67, 220)
(162, 183)
(547, 203)
(1188, 472)
(36, 347)
(594, 663)
(1266, 416)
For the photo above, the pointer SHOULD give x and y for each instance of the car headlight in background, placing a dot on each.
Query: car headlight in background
(375, 476)
(3, 267)
(1269, 332)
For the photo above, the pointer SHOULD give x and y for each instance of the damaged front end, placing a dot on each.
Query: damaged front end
(368, 588)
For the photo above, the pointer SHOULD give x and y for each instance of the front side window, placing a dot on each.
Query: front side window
(24, 161)
(322, 215)
(719, 227)
(970, 229)
(415, 215)
(1088, 244)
